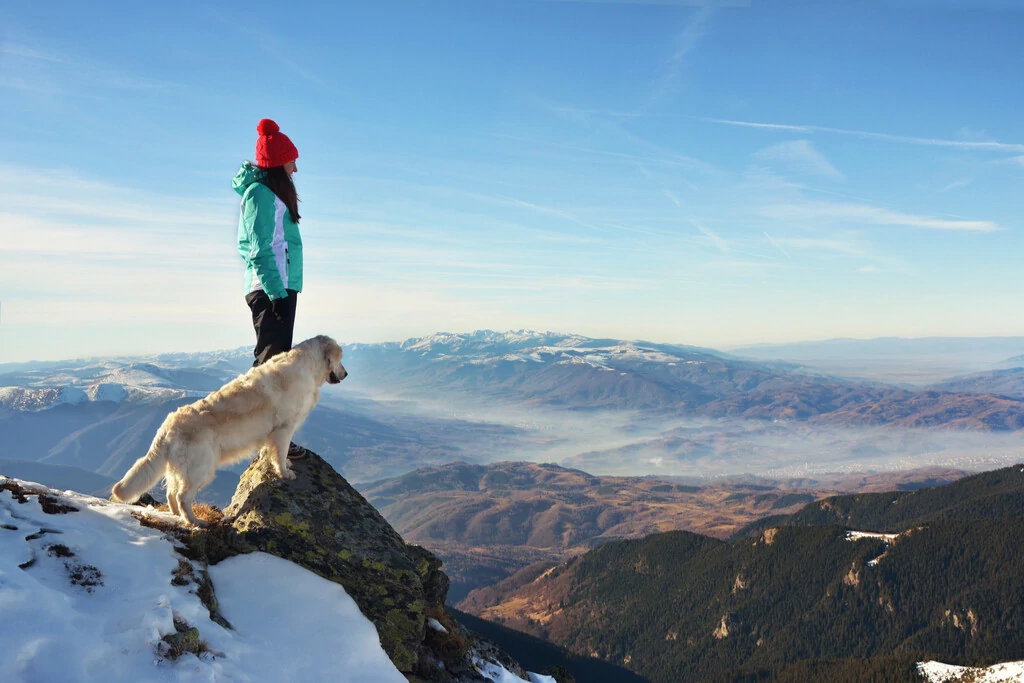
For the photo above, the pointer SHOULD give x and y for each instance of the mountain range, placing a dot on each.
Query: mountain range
(580, 373)
(100, 415)
(602, 405)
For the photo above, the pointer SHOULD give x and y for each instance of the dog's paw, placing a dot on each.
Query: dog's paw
(287, 474)
(199, 524)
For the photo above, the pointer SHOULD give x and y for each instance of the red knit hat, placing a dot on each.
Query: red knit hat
(273, 148)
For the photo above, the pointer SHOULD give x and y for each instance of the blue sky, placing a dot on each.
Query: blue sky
(713, 174)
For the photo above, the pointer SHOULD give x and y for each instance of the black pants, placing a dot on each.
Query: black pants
(273, 324)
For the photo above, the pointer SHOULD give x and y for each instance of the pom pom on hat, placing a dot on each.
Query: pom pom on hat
(273, 148)
(267, 127)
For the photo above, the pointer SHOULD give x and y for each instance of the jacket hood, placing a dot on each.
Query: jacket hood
(246, 176)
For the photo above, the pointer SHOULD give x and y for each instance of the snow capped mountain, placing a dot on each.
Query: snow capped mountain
(19, 398)
(149, 380)
(487, 346)
(445, 343)
(536, 367)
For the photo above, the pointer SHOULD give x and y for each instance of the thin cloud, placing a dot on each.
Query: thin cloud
(63, 194)
(964, 182)
(686, 43)
(267, 43)
(719, 242)
(671, 159)
(802, 156)
(19, 50)
(551, 211)
(673, 198)
(55, 72)
(981, 145)
(871, 215)
(820, 244)
(722, 245)
(777, 246)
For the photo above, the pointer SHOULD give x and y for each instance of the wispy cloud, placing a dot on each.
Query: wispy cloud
(269, 43)
(777, 246)
(981, 145)
(963, 182)
(722, 245)
(539, 208)
(42, 69)
(686, 43)
(667, 158)
(802, 156)
(673, 198)
(826, 244)
(870, 215)
(19, 50)
(58, 193)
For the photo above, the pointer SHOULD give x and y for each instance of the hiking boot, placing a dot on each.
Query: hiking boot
(296, 452)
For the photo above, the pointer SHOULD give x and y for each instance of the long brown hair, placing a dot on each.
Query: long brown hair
(276, 178)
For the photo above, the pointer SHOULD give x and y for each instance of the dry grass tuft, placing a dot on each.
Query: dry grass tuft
(451, 646)
(184, 640)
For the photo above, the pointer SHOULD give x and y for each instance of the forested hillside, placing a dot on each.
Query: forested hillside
(799, 600)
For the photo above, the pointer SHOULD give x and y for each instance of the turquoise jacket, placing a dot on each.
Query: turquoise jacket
(268, 238)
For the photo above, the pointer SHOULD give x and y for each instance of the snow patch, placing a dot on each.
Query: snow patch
(115, 393)
(888, 538)
(590, 361)
(303, 627)
(500, 674)
(71, 395)
(858, 535)
(937, 672)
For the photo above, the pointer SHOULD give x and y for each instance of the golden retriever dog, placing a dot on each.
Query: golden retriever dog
(260, 409)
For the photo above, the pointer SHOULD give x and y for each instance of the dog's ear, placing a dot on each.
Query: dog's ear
(332, 351)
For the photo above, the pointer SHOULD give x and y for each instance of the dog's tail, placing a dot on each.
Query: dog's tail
(143, 475)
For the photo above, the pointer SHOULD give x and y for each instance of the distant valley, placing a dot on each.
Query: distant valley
(488, 522)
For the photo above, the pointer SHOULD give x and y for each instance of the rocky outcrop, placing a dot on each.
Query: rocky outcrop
(320, 522)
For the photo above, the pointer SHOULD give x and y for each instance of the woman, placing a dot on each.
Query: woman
(269, 240)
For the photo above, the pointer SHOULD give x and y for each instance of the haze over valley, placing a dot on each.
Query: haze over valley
(608, 407)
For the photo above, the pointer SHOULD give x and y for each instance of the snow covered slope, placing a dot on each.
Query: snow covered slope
(86, 594)
(936, 672)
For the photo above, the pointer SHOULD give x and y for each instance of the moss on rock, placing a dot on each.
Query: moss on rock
(320, 522)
